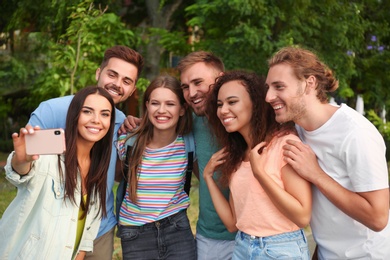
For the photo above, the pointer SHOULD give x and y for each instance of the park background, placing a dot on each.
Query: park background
(51, 48)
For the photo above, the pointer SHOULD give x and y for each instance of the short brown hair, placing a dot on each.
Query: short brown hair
(201, 56)
(124, 53)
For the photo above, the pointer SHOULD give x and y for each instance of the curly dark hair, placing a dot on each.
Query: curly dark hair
(263, 123)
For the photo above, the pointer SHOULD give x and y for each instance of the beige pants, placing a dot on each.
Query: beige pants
(103, 247)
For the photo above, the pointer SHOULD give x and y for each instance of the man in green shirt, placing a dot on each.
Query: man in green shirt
(198, 71)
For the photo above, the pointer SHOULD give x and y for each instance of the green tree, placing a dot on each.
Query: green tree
(162, 26)
(45, 63)
(73, 60)
(253, 30)
(245, 33)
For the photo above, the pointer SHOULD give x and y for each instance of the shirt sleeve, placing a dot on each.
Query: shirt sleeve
(13, 177)
(51, 113)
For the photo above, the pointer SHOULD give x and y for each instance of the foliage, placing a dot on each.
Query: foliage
(54, 54)
(352, 37)
(142, 84)
(66, 39)
(73, 60)
(172, 41)
(383, 127)
(47, 16)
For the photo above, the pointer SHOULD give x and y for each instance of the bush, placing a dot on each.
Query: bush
(6, 146)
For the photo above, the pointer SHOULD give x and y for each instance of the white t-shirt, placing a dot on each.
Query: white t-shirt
(351, 151)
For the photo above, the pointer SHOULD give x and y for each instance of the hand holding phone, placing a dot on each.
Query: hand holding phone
(45, 141)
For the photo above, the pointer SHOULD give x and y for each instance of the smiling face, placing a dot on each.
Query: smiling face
(164, 109)
(234, 108)
(118, 77)
(94, 119)
(286, 93)
(195, 83)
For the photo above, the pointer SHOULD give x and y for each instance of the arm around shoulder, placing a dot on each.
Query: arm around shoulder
(51, 113)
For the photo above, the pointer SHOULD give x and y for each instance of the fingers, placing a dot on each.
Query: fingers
(215, 160)
(298, 144)
(137, 121)
(259, 148)
(129, 124)
(295, 151)
(218, 156)
(132, 121)
(29, 128)
(15, 136)
(121, 130)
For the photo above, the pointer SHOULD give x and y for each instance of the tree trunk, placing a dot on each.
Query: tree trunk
(158, 18)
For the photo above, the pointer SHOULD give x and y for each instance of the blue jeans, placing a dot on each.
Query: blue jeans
(213, 249)
(290, 245)
(168, 238)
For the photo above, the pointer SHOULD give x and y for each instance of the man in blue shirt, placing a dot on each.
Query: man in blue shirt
(118, 74)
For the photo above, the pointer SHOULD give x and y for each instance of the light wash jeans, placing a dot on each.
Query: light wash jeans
(169, 238)
(214, 249)
(291, 245)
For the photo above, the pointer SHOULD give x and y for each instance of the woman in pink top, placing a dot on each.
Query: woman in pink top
(269, 202)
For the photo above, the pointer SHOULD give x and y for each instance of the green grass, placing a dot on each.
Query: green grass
(7, 191)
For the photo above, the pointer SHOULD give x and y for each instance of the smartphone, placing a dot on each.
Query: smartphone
(46, 141)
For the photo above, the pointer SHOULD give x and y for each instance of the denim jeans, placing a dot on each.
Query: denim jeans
(169, 238)
(215, 249)
(290, 245)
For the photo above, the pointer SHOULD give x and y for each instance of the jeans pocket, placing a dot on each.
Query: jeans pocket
(182, 222)
(128, 234)
(286, 250)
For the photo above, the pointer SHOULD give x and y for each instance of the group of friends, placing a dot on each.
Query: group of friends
(272, 156)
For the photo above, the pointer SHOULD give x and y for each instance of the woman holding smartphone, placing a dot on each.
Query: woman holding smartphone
(61, 198)
(153, 223)
(269, 202)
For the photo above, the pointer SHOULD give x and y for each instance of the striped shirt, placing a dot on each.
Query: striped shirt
(160, 191)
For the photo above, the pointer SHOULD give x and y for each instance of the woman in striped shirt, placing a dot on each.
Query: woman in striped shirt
(153, 223)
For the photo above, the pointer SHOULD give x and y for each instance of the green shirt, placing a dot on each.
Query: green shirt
(209, 224)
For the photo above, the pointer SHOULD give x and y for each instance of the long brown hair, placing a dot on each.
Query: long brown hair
(262, 123)
(96, 180)
(144, 132)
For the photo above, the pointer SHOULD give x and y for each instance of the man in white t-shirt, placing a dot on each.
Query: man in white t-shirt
(342, 154)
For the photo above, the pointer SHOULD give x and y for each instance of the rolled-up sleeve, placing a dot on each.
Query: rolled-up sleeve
(13, 177)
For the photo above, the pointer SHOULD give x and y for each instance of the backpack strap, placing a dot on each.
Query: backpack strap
(189, 143)
(125, 149)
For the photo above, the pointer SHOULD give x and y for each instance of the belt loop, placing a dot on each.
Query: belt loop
(261, 242)
(171, 218)
(303, 235)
